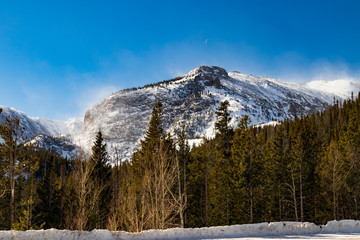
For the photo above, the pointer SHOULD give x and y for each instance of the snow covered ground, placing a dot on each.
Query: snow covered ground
(345, 229)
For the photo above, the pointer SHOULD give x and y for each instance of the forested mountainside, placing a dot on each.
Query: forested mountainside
(302, 169)
(189, 101)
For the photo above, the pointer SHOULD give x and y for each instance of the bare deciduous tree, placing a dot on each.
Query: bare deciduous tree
(86, 194)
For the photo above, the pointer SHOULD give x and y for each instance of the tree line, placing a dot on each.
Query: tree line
(302, 169)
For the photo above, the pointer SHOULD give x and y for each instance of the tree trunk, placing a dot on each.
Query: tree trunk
(294, 195)
(206, 200)
(334, 195)
(181, 203)
(251, 205)
(301, 196)
(12, 185)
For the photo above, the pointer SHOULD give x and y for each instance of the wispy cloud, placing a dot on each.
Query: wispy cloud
(90, 95)
(60, 93)
(297, 68)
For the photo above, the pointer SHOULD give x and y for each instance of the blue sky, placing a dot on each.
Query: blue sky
(57, 58)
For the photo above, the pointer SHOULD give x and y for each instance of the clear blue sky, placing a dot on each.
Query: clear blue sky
(57, 58)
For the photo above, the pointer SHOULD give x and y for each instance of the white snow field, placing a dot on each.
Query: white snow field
(344, 229)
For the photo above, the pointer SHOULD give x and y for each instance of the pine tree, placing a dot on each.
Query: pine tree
(155, 130)
(333, 178)
(242, 174)
(11, 133)
(49, 193)
(154, 178)
(202, 164)
(182, 161)
(219, 196)
(28, 164)
(102, 175)
(224, 131)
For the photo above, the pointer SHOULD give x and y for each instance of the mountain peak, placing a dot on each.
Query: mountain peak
(190, 100)
(208, 70)
(208, 75)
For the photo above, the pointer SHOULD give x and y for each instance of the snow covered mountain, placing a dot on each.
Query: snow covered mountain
(34, 126)
(58, 145)
(191, 100)
(52, 135)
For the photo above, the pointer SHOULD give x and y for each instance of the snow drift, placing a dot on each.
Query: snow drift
(245, 230)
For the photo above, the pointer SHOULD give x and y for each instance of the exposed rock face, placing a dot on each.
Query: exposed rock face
(191, 100)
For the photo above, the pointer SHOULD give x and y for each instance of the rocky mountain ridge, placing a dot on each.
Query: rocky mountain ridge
(52, 135)
(191, 101)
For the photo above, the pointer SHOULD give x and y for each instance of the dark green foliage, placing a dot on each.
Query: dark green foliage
(282, 172)
(200, 167)
(305, 169)
(48, 208)
(224, 134)
(154, 175)
(219, 175)
(183, 158)
(155, 130)
(101, 174)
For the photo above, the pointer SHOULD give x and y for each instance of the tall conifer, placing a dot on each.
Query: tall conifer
(102, 175)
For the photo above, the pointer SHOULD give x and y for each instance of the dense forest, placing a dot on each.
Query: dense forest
(302, 169)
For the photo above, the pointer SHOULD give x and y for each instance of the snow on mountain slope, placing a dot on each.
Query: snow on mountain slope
(35, 126)
(31, 127)
(191, 100)
(45, 133)
(341, 87)
(57, 145)
(70, 128)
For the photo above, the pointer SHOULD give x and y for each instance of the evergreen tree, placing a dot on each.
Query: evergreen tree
(219, 183)
(155, 130)
(333, 179)
(242, 175)
(202, 164)
(224, 132)
(182, 160)
(28, 162)
(101, 173)
(49, 193)
(154, 178)
(11, 133)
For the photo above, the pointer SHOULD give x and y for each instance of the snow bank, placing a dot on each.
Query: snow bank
(245, 230)
(343, 226)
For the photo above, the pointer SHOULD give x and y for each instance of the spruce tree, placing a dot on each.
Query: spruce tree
(224, 132)
(242, 173)
(182, 161)
(202, 163)
(155, 130)
(219, 176)
(49, 193)
(101, 174)
(154, 177)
